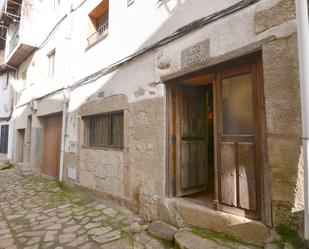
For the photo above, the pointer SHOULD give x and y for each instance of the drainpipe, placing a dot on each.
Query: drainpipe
(63, 133)
(66, 93)
(303, 54)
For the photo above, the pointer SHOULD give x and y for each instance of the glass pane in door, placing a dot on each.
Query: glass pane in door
(237, 108)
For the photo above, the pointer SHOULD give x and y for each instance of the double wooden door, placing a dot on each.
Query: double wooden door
(52, 145)
(237, 150)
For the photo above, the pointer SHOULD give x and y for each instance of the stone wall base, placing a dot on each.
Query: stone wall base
(98, 194)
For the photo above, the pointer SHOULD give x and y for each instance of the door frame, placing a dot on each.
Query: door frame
(256, 57)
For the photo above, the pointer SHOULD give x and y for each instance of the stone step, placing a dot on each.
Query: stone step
(162, 230)
(185, 239)
(188, 240)
(196, 215)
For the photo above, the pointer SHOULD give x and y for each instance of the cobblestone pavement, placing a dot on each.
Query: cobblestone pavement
(38, 213)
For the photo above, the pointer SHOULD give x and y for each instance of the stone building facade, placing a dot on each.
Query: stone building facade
(107, 84)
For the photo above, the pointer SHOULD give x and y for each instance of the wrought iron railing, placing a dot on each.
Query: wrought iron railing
(101, 32)
(14, 40)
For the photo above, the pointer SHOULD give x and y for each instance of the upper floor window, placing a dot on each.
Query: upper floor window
(99, 23)
(51, 63)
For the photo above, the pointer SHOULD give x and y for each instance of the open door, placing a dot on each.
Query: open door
(231, 179)
(192, 141)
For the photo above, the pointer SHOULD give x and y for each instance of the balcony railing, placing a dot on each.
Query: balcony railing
(102, 32)
(14, 40)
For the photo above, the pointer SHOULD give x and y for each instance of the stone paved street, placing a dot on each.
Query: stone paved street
(38, 213)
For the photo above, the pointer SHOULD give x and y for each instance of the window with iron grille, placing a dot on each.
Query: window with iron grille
(104, 130)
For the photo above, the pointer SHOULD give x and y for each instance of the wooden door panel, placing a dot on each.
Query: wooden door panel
(185, 165)
(193, 164)
(52, 144)
(247, 179)
(202, 163)
(201, 114)
(238, 137)
(185, 115)
(193, 174)
(228, 174)
(192, 140)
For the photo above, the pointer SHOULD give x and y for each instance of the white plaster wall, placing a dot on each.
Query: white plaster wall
(38, 82)
(131, 28)
(5, 107)
(225, 35)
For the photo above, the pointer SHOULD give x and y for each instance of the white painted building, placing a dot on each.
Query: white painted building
(6, 107)
(112, 95)
(5, 112)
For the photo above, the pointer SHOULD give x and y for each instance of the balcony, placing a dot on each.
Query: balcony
(18, 46)
(18, 50)
(99, 35)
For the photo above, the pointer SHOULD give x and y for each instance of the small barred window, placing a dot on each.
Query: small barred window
(104, 130)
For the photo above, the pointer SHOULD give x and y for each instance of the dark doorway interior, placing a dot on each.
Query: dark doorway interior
(198, 160)
(193, 139)
(208, 194)
(21, 145)
(4, 138)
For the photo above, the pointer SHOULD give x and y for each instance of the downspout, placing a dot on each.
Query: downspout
(10, 154)
(303, 54)
(63, 133)
(66, 95)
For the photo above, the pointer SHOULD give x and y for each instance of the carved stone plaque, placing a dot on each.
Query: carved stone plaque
(195, 54)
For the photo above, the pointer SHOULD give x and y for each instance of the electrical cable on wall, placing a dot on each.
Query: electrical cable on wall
(58, 23)
(173, 36)
(193, 26)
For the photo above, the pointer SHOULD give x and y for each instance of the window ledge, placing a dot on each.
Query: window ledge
(103, 148)
(92, 44)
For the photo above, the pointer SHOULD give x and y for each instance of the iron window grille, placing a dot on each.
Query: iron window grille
(104, 130)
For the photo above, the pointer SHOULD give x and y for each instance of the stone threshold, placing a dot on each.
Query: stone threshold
(197, 215)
